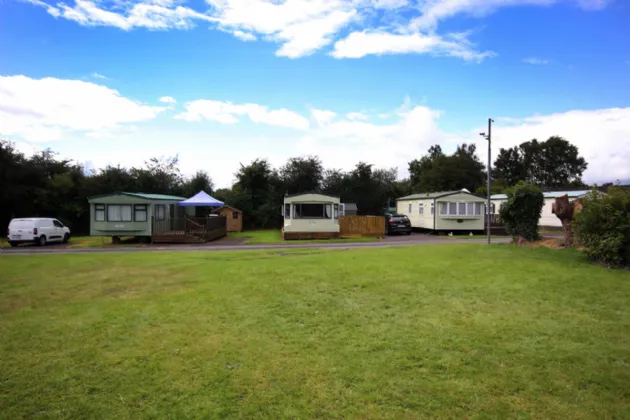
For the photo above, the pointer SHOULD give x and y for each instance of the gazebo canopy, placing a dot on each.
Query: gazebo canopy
(201, 199)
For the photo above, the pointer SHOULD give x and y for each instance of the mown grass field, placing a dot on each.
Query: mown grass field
(441, 331)
(80, 242)
(275, 236)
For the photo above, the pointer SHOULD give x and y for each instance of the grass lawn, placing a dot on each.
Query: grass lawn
(82, 242)
(275, 236)
(448, 331)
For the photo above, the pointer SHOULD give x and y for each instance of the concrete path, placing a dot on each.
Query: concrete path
(390, 241)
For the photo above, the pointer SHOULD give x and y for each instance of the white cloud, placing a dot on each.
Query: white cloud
(356, 116)
(228, 113)
(360, 44)
(99, 76)
(602, 136)
(44, 109)
(302, 27)
(157, 15)
(323, 117)
(244, 36)
(535, 61)
(168, 100)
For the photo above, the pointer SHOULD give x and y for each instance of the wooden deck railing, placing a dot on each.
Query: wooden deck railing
(495, 220)
(205, 228)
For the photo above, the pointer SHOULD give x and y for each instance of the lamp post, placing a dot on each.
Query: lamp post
(488, 206)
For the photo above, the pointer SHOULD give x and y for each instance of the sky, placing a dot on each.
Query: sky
(222, 82)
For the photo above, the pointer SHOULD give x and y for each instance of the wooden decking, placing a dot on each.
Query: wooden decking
(193, 230)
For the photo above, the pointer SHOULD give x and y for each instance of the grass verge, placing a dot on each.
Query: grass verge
(275, 236)
(448, 331)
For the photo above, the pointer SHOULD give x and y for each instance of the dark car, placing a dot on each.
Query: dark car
(397, 223)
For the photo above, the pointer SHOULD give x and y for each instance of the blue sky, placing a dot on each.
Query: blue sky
(220, 82)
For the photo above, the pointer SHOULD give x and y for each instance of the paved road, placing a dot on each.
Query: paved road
(390, 241)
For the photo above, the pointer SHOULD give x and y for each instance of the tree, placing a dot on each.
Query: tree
(439, 172)
(521, 212)
(258, 193)
(509, 166)
(200, 181)
(302, 174)
(603, 226)
(552, 164)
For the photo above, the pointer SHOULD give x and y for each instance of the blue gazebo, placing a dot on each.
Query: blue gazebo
(201, 199)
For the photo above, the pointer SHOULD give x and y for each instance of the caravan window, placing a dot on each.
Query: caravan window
(119, 212)
(421, 208)
(443, 209)
(309, 211)
(478, 209)
(140, 212)
(99, 212)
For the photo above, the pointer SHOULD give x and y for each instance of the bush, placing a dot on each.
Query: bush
(521, 212)
(603, 226)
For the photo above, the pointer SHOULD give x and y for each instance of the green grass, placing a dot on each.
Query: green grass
(443, 331)
(275, 236)
(83, 242)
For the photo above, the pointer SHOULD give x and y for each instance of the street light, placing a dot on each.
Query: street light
(489, 139)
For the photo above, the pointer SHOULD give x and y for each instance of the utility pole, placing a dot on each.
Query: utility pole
(488, 206)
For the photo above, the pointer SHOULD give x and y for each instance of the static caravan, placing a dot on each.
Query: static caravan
(311, 216)
(547, 218)
(447, 210)
(134, 214)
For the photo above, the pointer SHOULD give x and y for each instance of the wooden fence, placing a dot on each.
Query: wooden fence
(361, 226)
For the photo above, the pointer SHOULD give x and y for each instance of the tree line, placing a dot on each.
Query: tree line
(44, 185)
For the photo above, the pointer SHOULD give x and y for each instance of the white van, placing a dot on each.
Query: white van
(37, 230)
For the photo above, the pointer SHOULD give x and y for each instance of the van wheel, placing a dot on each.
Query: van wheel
(41, 241)
(13, 244)
(66, 238)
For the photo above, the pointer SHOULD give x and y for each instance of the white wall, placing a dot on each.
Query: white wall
(425, 220)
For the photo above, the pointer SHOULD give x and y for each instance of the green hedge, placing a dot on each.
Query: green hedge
(522, 210)
(603, 226)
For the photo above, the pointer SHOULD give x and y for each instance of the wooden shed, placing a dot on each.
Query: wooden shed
(233, 217)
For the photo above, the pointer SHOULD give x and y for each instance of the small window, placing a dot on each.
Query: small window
(452, 209)
(160, 212)
(119, 212)
(328, 211)
(99, 212)
(287, 211)
(443, 209)
(140, 212)
(421, 208)
(461, 210)
(432, 209)
(235, 215)
(57, 223)
(410, 208)
(336, 211)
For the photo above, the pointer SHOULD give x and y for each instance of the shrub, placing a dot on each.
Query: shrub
(521, 212)
(603, 226)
